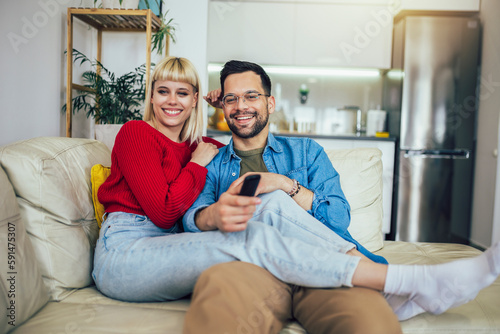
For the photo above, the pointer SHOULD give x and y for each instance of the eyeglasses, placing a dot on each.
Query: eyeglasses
(250, 97)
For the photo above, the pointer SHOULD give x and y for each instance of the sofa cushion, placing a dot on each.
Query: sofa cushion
(481, 315)
(94, 318)
(51, 178)
(22, 292)
(360, 173)
(88, 311)
(98, 175)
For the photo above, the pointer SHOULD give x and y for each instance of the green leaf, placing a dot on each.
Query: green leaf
(115, 99)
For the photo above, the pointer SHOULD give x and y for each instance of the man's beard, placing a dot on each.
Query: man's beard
(260, 124)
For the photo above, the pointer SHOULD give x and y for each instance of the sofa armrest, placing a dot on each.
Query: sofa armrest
(51, 178)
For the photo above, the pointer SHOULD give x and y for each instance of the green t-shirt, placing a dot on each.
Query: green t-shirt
(251, 161)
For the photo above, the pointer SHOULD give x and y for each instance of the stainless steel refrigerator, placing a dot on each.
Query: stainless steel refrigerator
(431, 97)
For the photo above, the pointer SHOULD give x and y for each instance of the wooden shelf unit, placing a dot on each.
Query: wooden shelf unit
(125, 20)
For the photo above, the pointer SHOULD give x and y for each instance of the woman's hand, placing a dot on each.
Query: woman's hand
(214, 98)
(204, 153)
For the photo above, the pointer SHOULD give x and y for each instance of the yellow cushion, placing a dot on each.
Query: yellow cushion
(98, 174)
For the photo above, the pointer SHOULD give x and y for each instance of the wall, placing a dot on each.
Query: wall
(496, 203)
(191, 17)
(487, 167)
(32, 88)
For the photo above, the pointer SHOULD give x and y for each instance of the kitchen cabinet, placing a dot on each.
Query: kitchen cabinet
(343, 35)
(442, 5)
(358, 2)
(388, 148)
(324, 34)
(259, 32)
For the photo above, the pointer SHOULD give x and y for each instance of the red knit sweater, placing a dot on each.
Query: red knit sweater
(151, 175)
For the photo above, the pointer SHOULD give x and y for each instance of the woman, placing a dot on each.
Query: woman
(164, 154)
(157, 174)
(158, 165)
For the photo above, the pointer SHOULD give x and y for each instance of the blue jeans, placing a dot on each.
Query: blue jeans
(137, 261)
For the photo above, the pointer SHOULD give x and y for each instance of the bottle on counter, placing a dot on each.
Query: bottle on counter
(352, 121)
(375, 121)
(304, 93)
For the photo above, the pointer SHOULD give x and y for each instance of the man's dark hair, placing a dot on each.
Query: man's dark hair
(237, 66)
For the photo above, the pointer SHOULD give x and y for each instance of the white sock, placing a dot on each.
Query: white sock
(403, 307)
(436, 288)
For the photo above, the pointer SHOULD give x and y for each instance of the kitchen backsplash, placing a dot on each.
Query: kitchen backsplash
(326, 97)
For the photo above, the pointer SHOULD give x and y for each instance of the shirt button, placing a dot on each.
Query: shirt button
(234, 174)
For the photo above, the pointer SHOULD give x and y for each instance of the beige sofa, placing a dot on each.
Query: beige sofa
(48, 231)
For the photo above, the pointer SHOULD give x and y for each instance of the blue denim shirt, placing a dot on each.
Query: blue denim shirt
(297, 158)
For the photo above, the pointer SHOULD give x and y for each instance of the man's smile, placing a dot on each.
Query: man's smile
(243, 116)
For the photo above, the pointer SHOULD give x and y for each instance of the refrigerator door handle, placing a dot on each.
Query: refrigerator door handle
(435, 154)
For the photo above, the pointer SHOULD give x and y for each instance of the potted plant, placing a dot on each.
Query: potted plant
(124, 4)
(108, 98)
(160, 37)
(165, 32)
(129, 4)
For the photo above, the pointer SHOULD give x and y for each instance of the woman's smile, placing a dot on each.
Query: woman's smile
(172, 111)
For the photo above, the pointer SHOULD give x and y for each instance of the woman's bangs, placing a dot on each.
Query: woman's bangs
(175, 71)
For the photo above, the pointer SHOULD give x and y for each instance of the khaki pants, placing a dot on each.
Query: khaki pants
(241, 298)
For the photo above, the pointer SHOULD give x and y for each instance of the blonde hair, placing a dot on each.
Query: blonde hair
(179, 70)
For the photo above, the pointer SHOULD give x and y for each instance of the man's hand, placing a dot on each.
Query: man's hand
(230, 213)
(269, 182)
(214, 98)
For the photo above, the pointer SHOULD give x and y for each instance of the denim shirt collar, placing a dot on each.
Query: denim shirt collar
(272, 144)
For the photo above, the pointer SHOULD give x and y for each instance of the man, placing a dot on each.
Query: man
(239, 297)
(304, 195)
